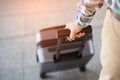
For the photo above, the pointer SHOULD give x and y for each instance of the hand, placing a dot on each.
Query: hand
(74, 30)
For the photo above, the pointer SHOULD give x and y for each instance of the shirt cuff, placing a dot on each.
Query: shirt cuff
(80, 24)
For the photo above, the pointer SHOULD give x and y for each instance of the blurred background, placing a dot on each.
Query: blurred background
(20, 20)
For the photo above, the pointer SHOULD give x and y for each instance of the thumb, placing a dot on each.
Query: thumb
(72, 35)
(66, 27)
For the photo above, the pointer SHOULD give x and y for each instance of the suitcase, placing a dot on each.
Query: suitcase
(55, 52)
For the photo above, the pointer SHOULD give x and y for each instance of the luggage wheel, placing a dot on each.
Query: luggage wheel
(82, 69)
(43, 75)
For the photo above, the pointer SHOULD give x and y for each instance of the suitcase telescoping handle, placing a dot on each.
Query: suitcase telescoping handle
(62, 33)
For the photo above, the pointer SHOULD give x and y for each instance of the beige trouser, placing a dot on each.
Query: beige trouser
(110, 51)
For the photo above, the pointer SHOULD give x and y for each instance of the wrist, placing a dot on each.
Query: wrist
(78, 23)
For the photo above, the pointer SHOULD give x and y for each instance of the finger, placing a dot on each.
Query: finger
(68, 38)
(76, 36)
(67, 26)
(72, 35)
(83, 34)
(79, 35)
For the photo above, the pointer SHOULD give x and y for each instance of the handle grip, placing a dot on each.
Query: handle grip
(62, 33)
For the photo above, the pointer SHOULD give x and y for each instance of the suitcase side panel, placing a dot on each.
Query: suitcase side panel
(46, 56)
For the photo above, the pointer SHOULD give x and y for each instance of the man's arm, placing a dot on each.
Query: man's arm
(86, 9)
